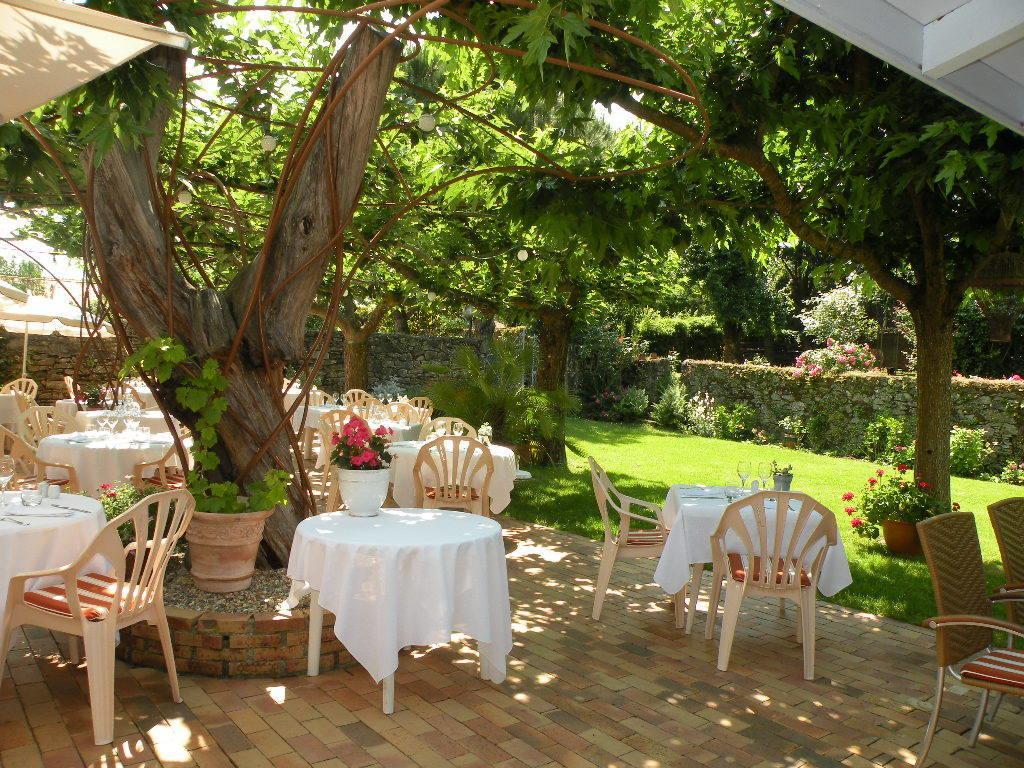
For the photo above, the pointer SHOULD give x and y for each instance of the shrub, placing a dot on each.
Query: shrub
(700, 412)
(895, 495)
(602, 358)
(839, 314)
(117, 499)
(969, 451)
(792, 431)
(603, 405)
(633, 404)
(1012, 473)
(833, 359)
(672, 411)
(736, 423)
(886, 439)
(698, 337)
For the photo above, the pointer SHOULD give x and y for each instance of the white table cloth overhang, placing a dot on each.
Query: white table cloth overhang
(51, 536)
(407, 577)
(693, 513)
(99, 457)
(403, 459)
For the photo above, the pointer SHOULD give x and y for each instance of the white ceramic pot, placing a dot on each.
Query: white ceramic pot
(363, 490)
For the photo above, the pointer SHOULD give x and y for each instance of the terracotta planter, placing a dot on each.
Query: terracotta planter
(222, 549)
(901, 538)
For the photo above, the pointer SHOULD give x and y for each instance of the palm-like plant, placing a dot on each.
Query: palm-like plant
(492, 388)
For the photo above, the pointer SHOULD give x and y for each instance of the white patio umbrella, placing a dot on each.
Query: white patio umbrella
(21, 312)
(48, 47)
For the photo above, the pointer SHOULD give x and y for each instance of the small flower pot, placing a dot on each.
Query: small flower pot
(222, 549)
(364, 490)
(783, 482)
(901, 538)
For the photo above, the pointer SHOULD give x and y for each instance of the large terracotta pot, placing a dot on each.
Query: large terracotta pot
(901, 538)
(364, 490)
(223, 549)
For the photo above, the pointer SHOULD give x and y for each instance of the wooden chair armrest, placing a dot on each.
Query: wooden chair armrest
(967, 620)
(629, 502)
(21, 578)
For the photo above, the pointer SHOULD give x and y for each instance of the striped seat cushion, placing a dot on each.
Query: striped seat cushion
(739, 573)
(1003, 667)
(95, 596)
(644, 538)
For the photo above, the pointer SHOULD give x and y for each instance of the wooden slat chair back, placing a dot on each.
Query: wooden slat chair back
(23, 385)
(29, 469)
(95, 603)
(964, 627)
(331, 423)
(39, 421)
(454, 473)
(771, 544)
(447, 425)
(616, 509)
(1007, 517)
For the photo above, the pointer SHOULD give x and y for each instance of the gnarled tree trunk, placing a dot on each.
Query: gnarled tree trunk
(553, 335)
(131, 251)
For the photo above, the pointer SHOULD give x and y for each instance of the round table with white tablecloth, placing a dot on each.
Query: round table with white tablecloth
(88, 420)
(406, 577)
(403, 459)
(46, 536)
(100, 457)
(692, 514)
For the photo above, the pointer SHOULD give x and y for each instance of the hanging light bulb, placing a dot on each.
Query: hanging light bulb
(269, 142)
(523, 254)
(427, 122)
(184, 196)
(431, 295)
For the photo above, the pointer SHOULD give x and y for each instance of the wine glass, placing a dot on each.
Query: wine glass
(743, 471)
(7, 470)
(762, 475)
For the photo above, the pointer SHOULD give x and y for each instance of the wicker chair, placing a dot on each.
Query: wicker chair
(964, 627)
(1007, 518)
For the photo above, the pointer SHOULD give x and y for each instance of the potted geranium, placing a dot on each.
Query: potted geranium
(362, 458)
(892, 505)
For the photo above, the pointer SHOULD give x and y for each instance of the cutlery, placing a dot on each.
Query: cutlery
(38, 514)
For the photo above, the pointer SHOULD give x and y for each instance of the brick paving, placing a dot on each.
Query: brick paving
(628, 692)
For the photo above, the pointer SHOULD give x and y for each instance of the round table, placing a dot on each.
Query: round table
(403, 458)
(39, 540)
(406, 577)
(100, 457)
(88, 420)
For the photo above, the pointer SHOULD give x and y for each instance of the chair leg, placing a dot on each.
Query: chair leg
(976, 729)
(799, 623)
(168, 648)
(679, 606)
(733, 600)
(74, 652)
(929, 733)
(604, 575)
(995, 707)
(807, 624)
(99, 650)
(716, 594)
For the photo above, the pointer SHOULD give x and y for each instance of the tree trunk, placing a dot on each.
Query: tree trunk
(131, 251)
(730, 342)
(934, 330)
(553, 338)
(357, 361)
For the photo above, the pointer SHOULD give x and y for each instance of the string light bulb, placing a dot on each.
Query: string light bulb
(184, 195)
(427, 122)
(523, 254)
(431, 295)
(269, 142)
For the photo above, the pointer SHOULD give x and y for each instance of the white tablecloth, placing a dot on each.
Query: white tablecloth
(101, 457)
(66, 410)
(87, 420)
(46, 542)
(693, 513)
(407, 577)
(403, 458)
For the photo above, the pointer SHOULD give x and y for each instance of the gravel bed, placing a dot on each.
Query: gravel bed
(267, 591)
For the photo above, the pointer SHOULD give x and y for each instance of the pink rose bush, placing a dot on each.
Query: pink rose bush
(359, 447)
(834, 359)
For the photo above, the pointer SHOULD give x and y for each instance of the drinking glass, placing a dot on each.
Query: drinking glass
(457, 429)
(131, 423)
(31, 497)
(762, 475)
(743, 470)
(7, 470)
(729, 491)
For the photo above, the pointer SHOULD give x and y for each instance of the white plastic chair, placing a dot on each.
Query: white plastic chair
(331, 423)
(791, 533)
(627, 544)
(23, 385)
(448, 425)
(29, 469)
(454, 473)
(95, 603)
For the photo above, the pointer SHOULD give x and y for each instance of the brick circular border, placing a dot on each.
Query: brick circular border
(233, 644)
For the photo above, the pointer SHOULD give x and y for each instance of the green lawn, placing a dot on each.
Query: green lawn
(644, 462)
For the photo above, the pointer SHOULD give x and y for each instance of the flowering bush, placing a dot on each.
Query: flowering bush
(1012, 473)
(969, 451)
(701, 413)
(359, 447)
(833, 359)
(891, 495)
(633, 404)
(117, 499)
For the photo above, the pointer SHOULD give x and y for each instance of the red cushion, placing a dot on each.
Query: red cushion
(95, 596)
(1004, 667)
(739, 572)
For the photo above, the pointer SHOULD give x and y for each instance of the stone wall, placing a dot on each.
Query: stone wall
(399, 356)
(852, 400)
(51, 358)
